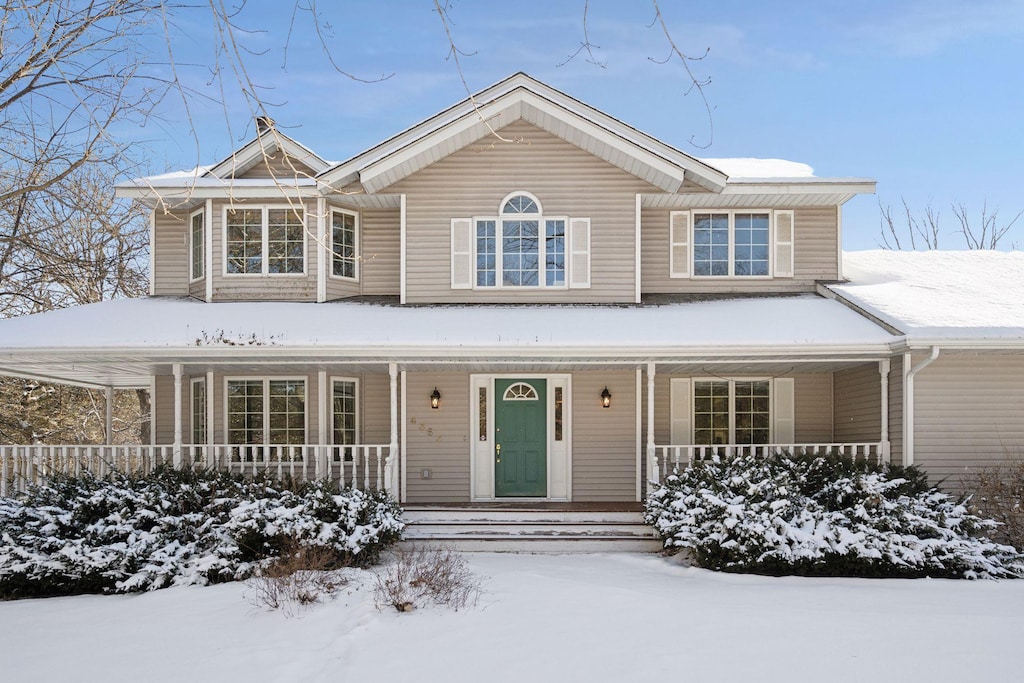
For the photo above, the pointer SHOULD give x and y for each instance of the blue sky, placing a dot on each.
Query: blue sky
(926, 97)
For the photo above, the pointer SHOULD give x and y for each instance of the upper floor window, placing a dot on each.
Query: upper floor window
(197, 245)
(520, 247)
(731, 243)
(344, 244)
(265, 241)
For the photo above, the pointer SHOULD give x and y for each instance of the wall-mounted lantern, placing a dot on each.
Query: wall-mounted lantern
(606, 398)
(435, 399)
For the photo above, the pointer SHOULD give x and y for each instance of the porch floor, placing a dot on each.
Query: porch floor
(560, 506)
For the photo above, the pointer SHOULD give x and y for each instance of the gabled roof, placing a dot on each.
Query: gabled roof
(954, 298)
(267, 142)
(522, 97)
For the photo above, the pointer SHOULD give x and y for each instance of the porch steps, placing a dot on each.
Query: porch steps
(484, 529)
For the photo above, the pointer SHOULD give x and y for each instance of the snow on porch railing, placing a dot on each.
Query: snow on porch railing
(359, 465)
(668, 458)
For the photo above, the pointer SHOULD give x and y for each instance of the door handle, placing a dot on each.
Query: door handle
(497, 452)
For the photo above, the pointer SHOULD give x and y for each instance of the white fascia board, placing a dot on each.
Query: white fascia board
(913, 343)
(402, 353)
(185, 197)
(807, 186)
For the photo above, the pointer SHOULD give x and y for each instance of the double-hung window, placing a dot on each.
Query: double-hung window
(266, 411)
(265, 241)
(199, 434)
(344, 244)
(197, 245)
(521, 247)
(738, 244)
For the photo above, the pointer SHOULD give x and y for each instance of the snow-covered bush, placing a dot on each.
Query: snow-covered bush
(997, 491)
(124, 534)
(822, 516)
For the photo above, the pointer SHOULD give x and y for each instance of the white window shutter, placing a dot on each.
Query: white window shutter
(679, 244)
(682, 430)
(784, 228)
(784, 410)
(462, 253)
(579, 245)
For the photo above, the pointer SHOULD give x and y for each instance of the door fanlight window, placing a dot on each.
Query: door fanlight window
(520, 392)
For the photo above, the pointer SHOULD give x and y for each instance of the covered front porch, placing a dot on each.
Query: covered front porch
(474, 404)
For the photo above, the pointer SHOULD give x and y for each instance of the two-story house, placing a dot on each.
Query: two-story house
(520, 299)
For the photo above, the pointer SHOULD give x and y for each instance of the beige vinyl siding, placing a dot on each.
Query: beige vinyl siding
(259, 287)
(604, 439)
(813, 407)
(379, 247)
(163, 410)
(816, 255)
(858, 404)
(437, 440)
(969, 412)
(277, 165)
(170, 253)
(896, 410)
(568, 182)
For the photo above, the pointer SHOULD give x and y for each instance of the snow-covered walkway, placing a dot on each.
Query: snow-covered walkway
(542, 618)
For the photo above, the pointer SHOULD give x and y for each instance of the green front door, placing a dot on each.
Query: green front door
(520, 437)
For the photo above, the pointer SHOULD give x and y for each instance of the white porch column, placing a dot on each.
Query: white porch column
(108, 418)
(322, 461)
(652, 465)
(884, 454)
(391, 469)
(176, 449)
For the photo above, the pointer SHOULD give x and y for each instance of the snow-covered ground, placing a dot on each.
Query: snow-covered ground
(542, 618)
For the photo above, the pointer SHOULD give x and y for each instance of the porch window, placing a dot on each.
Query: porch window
(265, 241)
(344, 399)
(731, 412)
(520, 247)
(197, 246)
(344, 245)
(199, 411)
(266, 411)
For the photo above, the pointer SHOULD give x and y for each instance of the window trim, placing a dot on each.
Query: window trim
(358, 413)
(192, 277)
(266, 379)
(542, 220)
(332, 253)
(691, 245)
(732, 405)
(265, 232)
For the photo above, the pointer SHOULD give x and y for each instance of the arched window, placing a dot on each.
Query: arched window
(522, 247)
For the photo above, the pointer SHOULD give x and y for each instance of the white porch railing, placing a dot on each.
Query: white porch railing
(668, 458)
(361, 466)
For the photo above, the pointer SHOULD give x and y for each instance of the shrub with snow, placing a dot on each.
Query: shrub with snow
(822, 516)
(124, 534)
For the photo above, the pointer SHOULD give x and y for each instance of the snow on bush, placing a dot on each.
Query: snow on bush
(822, 516)
(123, 534)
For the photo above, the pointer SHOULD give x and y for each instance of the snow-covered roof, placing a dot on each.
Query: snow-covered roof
(121, 336)
(742, 167)
(940, 295)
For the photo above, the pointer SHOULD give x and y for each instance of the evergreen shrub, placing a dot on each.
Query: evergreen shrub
(125, 534)
(823, 515)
